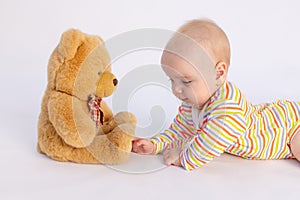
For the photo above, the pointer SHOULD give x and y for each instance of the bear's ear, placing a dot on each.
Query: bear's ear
(69, 43)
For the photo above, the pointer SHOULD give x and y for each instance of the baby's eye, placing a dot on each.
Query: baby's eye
(186, 82)
(171, 80)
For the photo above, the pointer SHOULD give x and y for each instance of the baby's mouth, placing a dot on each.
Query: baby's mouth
(183, 99)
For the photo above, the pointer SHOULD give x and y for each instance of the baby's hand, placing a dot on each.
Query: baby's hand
(171, 157)
(142, 146)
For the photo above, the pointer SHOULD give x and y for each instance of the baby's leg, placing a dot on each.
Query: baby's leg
(295, 145)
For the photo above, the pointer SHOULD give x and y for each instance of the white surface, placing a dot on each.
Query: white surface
(264, 37)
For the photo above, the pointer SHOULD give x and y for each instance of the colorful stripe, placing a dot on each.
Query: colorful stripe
(232, 125)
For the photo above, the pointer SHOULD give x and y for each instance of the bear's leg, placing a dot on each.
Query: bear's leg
(118, 119)
(114, 147)
(125, 118)
(53, 146)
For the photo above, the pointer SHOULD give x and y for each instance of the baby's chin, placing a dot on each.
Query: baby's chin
(195, 105)
(189, 103)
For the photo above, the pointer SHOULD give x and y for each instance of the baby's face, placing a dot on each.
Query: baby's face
(187, 83)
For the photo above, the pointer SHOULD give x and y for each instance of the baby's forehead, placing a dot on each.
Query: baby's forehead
(189, 52)
(182, 51)
(183, 66)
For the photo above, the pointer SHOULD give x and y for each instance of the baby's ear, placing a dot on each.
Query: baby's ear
(221, 69)
(69, 43)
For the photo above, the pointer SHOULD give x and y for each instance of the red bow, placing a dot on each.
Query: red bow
(94, 105)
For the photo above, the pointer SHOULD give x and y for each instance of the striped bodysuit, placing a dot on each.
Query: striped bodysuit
(229, 123)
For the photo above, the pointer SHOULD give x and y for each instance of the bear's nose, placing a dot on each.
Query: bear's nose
(115, 82)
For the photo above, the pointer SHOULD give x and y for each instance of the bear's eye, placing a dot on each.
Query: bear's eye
(99, 73)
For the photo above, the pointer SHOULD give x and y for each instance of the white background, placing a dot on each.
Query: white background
(265, 42)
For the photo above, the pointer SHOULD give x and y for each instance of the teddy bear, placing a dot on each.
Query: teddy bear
(75, 124)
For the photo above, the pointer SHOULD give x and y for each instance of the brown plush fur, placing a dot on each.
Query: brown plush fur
(80, 66)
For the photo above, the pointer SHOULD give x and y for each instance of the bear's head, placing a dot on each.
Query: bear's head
(80, 66)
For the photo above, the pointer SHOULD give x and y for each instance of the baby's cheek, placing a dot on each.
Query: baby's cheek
(193, 93)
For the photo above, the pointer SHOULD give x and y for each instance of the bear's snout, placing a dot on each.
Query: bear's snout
(106, 84)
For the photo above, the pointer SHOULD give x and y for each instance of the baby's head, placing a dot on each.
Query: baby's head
(196, 59)
(210, 36)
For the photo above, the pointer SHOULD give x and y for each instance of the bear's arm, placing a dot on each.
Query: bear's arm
(107, 111)
(70, 121)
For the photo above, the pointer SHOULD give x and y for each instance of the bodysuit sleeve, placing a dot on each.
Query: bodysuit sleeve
(225, 125)
(178, 132)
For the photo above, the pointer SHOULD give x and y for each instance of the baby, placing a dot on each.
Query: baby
(215, 116)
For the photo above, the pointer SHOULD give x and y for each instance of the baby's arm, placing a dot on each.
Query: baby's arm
(178, 132)
(226, 125)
